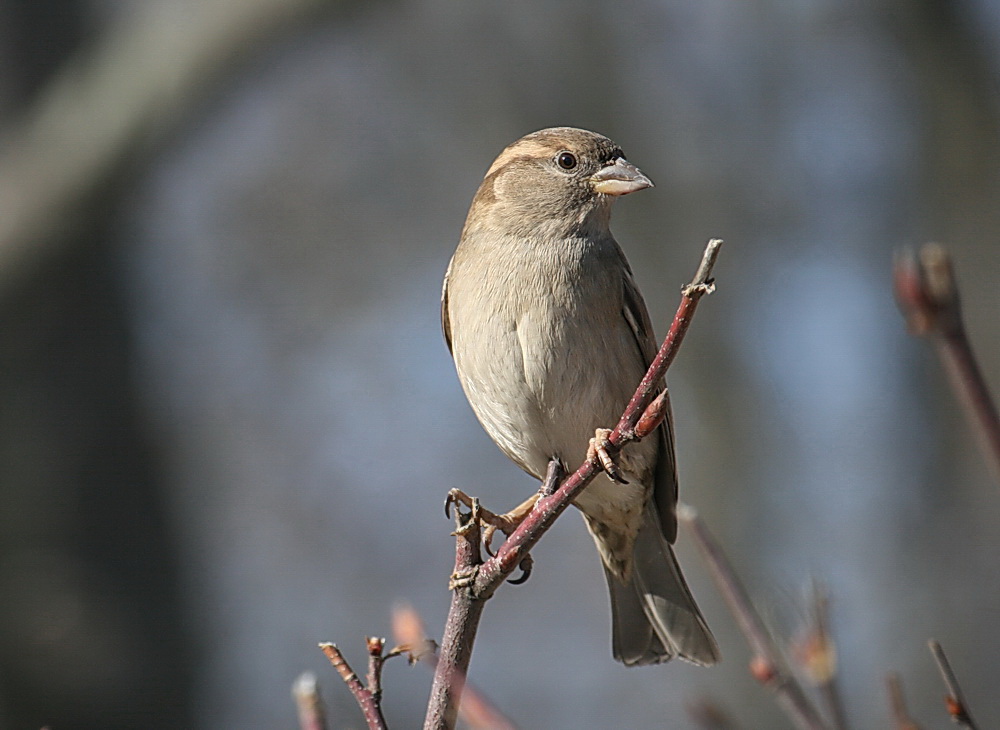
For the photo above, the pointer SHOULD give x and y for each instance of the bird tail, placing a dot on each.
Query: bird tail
(654, 616)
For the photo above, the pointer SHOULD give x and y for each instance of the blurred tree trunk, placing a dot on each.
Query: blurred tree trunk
(93, 635)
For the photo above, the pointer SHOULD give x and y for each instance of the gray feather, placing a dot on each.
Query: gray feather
(654, 617)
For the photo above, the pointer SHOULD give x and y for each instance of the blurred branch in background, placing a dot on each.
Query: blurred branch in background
(767, 665)
(927, 293)
(897, 704)
(816, 653)
(958, 708)
(138, 82)
(476, 709)
(818, 659)
(311, 710)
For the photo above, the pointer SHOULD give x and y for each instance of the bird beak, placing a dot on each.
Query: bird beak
(620, 177)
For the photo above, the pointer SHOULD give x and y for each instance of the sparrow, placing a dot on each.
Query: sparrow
(550, 338)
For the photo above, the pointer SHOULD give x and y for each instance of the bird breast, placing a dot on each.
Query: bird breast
(554, 356)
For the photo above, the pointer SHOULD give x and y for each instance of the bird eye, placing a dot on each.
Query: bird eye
(566, 160)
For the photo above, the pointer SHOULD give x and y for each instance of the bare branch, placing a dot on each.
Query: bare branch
(367, 700)
(476, 709)
(767, 665)
(958, 709)
(928, 295)
(477, 581)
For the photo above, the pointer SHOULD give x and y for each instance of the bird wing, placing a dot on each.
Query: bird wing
(445, 322)
(665, 478)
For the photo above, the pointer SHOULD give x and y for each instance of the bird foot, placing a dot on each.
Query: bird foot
(490, 522)
(597, 453)
(507, 522)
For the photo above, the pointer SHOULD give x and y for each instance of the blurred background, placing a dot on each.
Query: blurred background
(228, 419)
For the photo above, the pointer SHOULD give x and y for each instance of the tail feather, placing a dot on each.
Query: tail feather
(654, 616)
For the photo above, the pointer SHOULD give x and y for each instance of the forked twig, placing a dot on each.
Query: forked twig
(478, 580)
(369, 694)
(369, 698)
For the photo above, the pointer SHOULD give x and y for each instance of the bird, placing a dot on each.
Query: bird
(550, 337)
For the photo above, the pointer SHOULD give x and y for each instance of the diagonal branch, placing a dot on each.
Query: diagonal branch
(928, 295)
(768, 665)
(369, 698)
(477, 580)
(958, 709)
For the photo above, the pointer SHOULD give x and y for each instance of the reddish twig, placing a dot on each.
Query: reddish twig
(928, 295)
(476, 710)
(312, 713)
(479, 580)
(958, 709)
(767, 666)
(901, 719)
(369, 698)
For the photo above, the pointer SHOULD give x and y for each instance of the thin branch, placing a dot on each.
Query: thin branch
(927, 293)
(366, 698)
(767, 666)
(476, 709)
(479, 580)
(958, 709)
(901, 719)
(312, 712)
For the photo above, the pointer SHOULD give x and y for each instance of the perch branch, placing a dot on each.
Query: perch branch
(767, 665)
(928, 295)
(477, 580)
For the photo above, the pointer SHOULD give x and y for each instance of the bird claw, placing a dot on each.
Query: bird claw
(597, 452)
(489, 521)
(507, 522)
(525, 566)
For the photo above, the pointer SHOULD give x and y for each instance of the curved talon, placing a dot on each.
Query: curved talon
(456, 497)
(488, 532)
(525, 567)
(598, 451)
